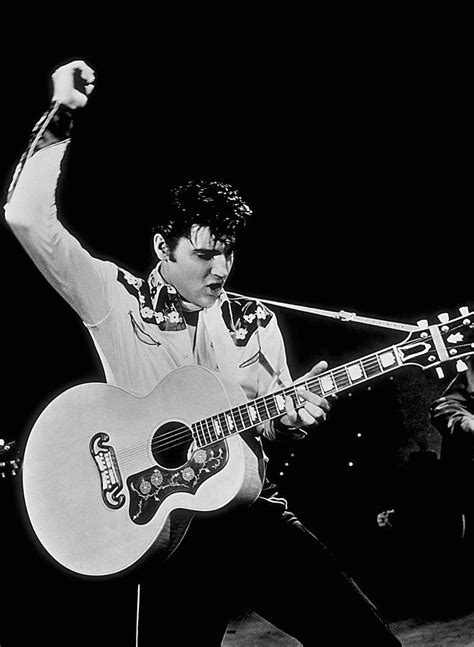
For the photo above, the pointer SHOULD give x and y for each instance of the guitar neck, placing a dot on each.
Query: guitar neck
(426, 347)
(271, 406)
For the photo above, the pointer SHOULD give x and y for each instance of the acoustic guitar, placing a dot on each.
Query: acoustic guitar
(109, 477)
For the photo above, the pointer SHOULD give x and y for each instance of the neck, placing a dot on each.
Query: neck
(187, 305)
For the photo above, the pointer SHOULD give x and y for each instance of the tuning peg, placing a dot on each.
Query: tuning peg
(443, 317)
(461, 366)
(439, 372)
(422, 323)
(464, 310)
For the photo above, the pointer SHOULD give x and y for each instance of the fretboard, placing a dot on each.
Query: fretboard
(271, 406)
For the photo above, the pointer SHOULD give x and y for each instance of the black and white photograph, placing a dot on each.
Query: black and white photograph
(238, 342)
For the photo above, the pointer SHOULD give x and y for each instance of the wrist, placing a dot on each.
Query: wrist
(288, 431)
(55, 126)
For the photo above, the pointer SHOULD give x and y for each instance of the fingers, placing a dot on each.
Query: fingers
(314, 409)
(467, 424)
(291, 413)
(317, 369)
(86, 72)
(73, 83)
(313, 412)
(313, 400)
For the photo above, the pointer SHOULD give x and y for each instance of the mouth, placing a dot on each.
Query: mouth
(215, 288)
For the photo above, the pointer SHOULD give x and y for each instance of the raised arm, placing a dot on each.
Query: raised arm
(31, 210)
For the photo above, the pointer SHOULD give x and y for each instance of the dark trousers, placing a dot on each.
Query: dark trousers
(261, 558)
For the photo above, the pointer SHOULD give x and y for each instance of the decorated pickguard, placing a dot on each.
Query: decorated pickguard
(149, 488)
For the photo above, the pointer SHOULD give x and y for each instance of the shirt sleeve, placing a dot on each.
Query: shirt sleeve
(32, 214)
(453, 413)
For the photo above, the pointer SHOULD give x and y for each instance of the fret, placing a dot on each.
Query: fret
(314, 385)
(205, 432)
(378, 363)
(230, 421)
(267, 410)
(362, 366)
(198, 435)
(240, 426)
(223, 424)
(272, 406)
(293, 394)
(342, 378)
(245, 415)
(216, 429)
(210, 429)
(279, 400)
(254, 413)
(371, 368)
(262, 409)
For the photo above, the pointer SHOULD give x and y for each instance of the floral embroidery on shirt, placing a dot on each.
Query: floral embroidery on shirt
(167, 313)
(241, 333)
(243, 318)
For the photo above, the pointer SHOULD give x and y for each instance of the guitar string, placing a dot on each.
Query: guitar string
(167, 441)
(185, 431)
(182, 436)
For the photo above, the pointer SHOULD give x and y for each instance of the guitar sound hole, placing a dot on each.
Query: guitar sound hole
(171, 443)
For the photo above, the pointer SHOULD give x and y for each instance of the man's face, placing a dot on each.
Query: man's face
(200, 267)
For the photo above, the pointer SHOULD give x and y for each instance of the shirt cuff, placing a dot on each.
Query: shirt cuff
(279, 432)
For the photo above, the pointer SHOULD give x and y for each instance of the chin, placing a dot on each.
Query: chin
(208, 301)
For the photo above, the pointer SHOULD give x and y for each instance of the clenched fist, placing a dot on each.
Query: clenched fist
(73, 83)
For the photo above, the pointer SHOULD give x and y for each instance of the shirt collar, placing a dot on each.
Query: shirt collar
(157, 284)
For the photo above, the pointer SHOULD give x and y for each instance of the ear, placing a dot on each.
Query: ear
(160, 247)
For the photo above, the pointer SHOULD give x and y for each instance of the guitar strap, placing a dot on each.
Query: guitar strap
(275, 375)
(342, 315)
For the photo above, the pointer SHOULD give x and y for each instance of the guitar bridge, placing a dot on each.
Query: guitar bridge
(110, 478)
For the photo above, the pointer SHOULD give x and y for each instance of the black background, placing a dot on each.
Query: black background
(353, 154)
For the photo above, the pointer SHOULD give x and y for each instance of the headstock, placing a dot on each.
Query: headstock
(449, 340)
(9, 459)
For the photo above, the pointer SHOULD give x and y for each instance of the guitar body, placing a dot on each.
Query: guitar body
(108, 477)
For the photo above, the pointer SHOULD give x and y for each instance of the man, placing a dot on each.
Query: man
(260, 556)
(453, 415)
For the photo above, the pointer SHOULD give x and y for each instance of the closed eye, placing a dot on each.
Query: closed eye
(207, 256)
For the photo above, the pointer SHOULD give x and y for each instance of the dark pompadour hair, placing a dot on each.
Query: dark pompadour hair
(207, 203)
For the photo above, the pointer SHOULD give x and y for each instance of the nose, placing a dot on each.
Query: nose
(221, 266)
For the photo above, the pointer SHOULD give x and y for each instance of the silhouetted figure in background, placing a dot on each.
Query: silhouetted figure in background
(453, 415)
